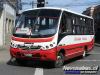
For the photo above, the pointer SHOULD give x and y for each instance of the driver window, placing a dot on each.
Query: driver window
(62, 27)
(66, 24)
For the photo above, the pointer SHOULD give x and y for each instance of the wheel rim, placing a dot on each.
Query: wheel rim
(59, 61)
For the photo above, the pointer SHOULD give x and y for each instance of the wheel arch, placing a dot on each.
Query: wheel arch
(86, 48)
(62, 51)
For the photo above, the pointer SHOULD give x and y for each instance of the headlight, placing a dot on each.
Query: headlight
(43, 48)
(47, 47)
(51, 45)
(14, 45)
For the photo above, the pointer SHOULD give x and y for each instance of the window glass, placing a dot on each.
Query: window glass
(66, 23)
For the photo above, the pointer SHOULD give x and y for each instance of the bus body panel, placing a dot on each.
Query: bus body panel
(72, 47)
(74, 44)
(49, 55)
(47, 48)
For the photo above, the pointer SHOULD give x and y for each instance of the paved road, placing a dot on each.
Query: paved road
(12, 68)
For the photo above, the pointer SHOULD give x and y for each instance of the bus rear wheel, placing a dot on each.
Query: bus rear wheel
(60, 60)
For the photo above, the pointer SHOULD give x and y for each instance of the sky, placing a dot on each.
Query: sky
(73, 5)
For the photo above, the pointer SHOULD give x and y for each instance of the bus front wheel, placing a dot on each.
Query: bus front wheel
(60, 60)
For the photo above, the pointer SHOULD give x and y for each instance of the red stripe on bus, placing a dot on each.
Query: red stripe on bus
(32, 39)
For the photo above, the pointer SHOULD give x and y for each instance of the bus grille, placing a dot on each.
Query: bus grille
(29, 48)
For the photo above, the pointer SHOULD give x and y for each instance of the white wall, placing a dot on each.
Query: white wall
(9, 9)
(7, 13)
(1, 28)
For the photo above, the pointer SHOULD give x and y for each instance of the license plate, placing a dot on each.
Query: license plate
(28, 55)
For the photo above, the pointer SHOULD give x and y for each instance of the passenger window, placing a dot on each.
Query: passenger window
(68, 25)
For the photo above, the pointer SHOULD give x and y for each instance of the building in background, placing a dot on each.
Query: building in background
(8, 11)
(94, 12)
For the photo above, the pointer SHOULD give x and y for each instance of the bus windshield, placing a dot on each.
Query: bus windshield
(37, 23)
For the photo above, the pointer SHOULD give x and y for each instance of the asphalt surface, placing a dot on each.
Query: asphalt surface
(12, 68)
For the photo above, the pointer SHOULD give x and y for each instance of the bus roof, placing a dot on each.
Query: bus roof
(62, 9)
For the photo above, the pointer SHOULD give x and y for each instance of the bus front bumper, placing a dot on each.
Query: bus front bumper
(45, 55)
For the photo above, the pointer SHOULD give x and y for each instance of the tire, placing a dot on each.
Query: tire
(60, 60)
(21, 62)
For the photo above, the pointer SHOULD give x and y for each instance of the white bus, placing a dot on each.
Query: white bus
(51, 34)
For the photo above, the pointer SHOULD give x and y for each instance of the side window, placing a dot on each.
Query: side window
(77, 29)
(62, 28)
(69, 24)
(66, 24)
(92, 30)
